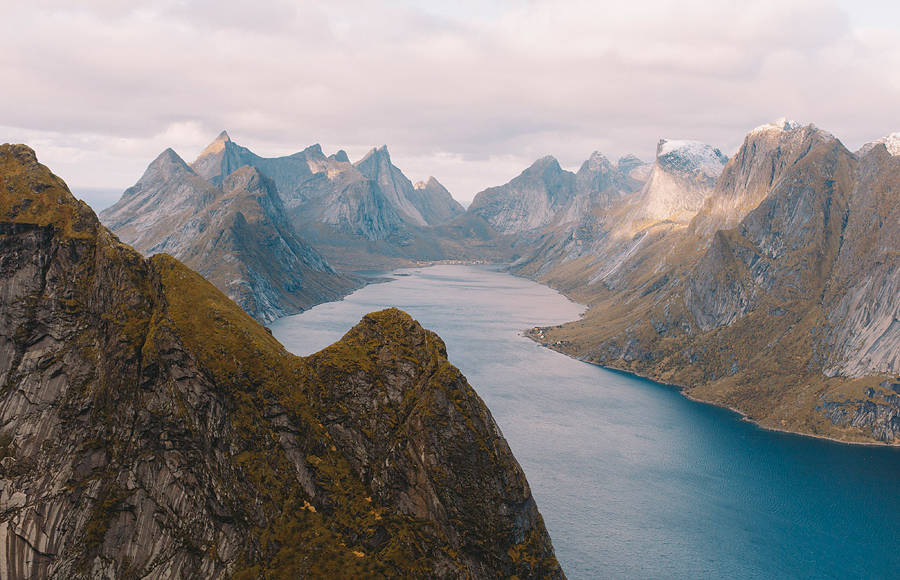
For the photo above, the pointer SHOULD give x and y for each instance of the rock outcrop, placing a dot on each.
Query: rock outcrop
(150, 428)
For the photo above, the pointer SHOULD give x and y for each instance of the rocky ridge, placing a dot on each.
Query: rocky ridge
(776, 298)
(151, 428)
(235, 233)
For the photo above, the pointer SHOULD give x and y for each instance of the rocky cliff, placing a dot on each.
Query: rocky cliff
(428, 205)
(235, 233)
(150, 428)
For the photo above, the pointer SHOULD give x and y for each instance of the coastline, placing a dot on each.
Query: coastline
(682, 390)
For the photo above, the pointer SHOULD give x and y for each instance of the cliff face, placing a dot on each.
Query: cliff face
(234, 233)
(862, 299)
(150, 427)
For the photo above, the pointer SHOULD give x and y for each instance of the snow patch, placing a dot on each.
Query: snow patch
(892, 142)
(693, 155)
(780, 124)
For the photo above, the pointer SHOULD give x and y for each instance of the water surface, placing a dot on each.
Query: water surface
(634, 480)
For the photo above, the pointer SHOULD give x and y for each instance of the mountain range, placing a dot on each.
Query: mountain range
(778, 298)
(151, 428)
(765, 282)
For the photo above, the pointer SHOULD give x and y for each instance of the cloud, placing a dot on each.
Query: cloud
(468, 92)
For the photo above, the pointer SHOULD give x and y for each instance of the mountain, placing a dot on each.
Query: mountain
(152, 429)
(767, 152)
(423, 206)
(223, 156)
(862, 300)
(365, 215)
(891, 143)
(235, 234)
(434, 201)
(777, 298)
(681, 179)
(528, 202)
(619, 211)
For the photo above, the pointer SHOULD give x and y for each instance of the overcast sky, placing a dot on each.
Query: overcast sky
(470, 92)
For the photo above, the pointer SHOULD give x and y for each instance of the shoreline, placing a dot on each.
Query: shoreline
(682, 390)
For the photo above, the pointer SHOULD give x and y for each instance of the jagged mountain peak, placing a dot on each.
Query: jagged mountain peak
(376, 155)
(596, 161)
(429, 183)
(169, 158)
(628, 162)
(890, 142)
(217, 146)
(341, 156)
(315, 149)
(780, 124)
(690, 156)
(544, 162)
(245, 178)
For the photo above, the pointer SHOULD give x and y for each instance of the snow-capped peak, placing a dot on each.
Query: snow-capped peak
(780, 124)
(892, 142)
(691, 156)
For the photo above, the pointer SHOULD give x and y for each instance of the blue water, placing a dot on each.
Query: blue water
(634, 480)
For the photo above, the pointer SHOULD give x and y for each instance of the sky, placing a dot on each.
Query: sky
(470, 92)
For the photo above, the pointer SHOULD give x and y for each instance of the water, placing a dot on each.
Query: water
(634, 480)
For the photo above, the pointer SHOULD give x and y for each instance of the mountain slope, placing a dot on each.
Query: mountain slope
(863, 297)
(235, 234)
(434, 202)
(151, 428)
(777, 299)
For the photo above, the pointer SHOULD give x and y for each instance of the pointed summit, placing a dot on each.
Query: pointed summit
(168, 158)
(628, 162)
(434, 201)
(891, 143)
(376, 155)
(217, 146)
(595, 162)
(430, 183)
